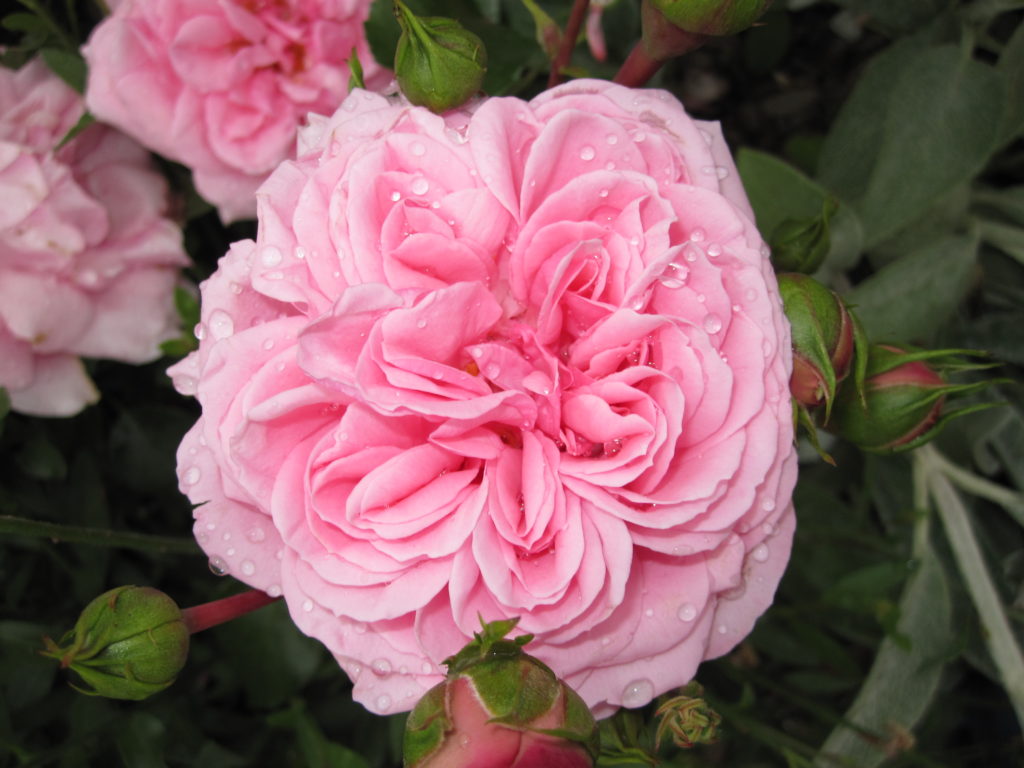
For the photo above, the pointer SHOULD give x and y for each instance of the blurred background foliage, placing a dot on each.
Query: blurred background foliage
(895, 638)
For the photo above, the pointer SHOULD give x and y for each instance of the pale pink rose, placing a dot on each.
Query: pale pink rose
(526, 359)
(88, 260)
(221, 86)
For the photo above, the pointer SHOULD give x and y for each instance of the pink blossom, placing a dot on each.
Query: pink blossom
(88, 259)
(525, 360)
(222, 85)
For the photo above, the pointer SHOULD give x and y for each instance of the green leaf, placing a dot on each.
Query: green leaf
(900, 17)
(70, 67)
(39, 458)
(83, 122)
(903, 680)
(921, 121)
(1011, 64)
(778, 192)
(909, 299)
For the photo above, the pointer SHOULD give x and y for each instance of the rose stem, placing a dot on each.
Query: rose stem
(572, 31)
(640, 66)
(200, 617)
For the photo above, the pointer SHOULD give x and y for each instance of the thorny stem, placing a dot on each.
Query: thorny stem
(100, 537)
(200, 617)
(572, 31)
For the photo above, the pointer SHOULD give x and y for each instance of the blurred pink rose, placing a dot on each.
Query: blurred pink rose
(222, 85)
(523, 360)
(88, 261)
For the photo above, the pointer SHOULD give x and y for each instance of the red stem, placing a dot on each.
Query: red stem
(572, 31)
(200, 617)
(638, 68)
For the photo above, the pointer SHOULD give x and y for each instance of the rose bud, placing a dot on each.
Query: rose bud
(712, 17)
(801, 245)
(128, 643)
(438, 63)
(903, 401)
(688, 719)
(826, 340)
(499, 706)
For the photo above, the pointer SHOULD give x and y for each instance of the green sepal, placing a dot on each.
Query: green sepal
(355, 71)
(815, 316)
(515, 690)
(801, 245)
(861, 345)
(547, 32)
(579, 727)
(426, 726)
(802, 417)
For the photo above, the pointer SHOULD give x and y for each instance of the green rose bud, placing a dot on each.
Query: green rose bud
(688, 719)
(438, 63)
(500, 706)
(712, 17)
(904, 398)
(128, 643)
(801, 245)
(827, 340)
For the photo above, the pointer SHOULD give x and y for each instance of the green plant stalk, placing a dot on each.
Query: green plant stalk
(99, 537)
(572, 32)
(999, 638)
(1011, 501)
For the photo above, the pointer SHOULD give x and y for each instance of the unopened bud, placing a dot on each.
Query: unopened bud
(712, 17)
(904, 398)
(500, 706)
(438, 63)
(801, 245)
(688, 719)
(827, 340)
(128, 643)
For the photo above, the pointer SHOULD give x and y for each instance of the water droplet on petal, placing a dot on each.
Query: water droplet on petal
(722, 629)
(687, 612)
(760, 553)
(425, 668)
(421, 323)
(268, 344)
(235, 288)
(192, 475)
(714, 250)
(381, 667)
(712, 323)
(274, 590)
(396, 196)
(418, 149)
(538, 382)
(230, 552)
(217, 566)
(611, 448)
(587, 153)
(199, 331)
(649, 612)
(637, 693)
(612, 139)
(721, 171)
(270, 256)
(639, 137)
(603, 193)
(383, 702)
(307, 605)
(248, 568)
(698, 235)
(420, 186)
(768, 504)
(221, 324)
(359, 627)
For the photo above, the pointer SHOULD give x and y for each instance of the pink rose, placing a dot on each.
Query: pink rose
(523, 360)
(88, 260)
(222, 85)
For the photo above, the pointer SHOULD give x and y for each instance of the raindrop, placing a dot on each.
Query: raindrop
(714, 249)
(637, 693)
(248, 568)
(211, 526)
(230, 552)
(256, 535)
(639, 137)
(88, 277)
(674, 276)
(418, 149)
(722, 629)
(235, 288)
(697, 235)
(268, 344)
(221, 324)
(721, 171)
(769, 529)
(712, 323)
(611, 448)
(396, 196)
(612, 139)
(300, 252)
(199, 331)
(538, 382)
(192, 475)
(217, 566)
(687, 612)
(420, 186)
(186, 385)
(649, 612)
(274, 590)
(383, 702)
(768, 505)
(271, 256)
(359, 627)
(603, 193)
(587, 153)
(275, 275)
(425, 668)
(307, 605)
(381, 667)
(760, 553)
